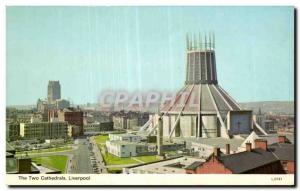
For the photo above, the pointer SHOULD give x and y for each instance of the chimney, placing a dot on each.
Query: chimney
(281, 139)
(261, 144)
(227, 149)
(217, 152)
(248, 147)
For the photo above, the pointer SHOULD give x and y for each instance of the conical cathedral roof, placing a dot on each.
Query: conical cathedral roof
(203, 98)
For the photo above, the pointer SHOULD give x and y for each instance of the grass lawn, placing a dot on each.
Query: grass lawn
(114, 160)
(147, 158)
(56, 161)
(58, 149)
(101, 139)
(115, 170)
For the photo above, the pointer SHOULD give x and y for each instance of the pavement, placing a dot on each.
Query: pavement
(98, 156)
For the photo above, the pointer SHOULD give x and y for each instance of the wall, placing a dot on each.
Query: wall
(188, 126)
(272, 168)
(106, 126)
(239, 122)
(291, 167)
(121, 150)
(166, 126)
(44, 130)
(212, 166)
(288, 167)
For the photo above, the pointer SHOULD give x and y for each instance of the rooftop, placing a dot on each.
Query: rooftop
(283, 151)
(194, 165)
(172, 166)
(245, 161)
(9, 147)
(203, 98)
(118, 142)
(214, 142)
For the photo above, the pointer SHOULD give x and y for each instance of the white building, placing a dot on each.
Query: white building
(125, 137)
(129, 149)
(54, 141)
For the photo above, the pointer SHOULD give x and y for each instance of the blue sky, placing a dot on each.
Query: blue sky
(90, 49)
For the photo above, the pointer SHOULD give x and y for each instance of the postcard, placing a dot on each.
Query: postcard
(150, 95)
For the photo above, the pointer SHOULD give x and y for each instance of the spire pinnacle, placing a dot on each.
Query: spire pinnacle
(198, 42)
(187, 42)
(195, 42)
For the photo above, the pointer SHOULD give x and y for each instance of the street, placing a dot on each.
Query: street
(80, 163)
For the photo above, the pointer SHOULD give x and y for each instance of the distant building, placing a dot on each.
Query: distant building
(53, 113)
(43, 130)
(62, 104)
(98, 127)
(36, 119)
(53, 91)
(73, 116)
(73, 130)
(42, 105)
(129, 120)
(92, 117)
(53, 101)
(270, 126)
(260, 118)
(13, 131)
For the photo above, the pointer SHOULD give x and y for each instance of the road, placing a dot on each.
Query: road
(80, 163)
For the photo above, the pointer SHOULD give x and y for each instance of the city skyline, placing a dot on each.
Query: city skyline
(133, 48)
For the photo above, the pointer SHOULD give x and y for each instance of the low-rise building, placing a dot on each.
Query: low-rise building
(73, 131)
(271, 139)
(24, 165)
(129, 120)
(129, 149)
(258, 160)
(74, 116)
(13, 131)
(125, 137)
(43, 130)
(168, 166)
(203, 147)
(284, 151)
(99, 127)
(62, 104)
